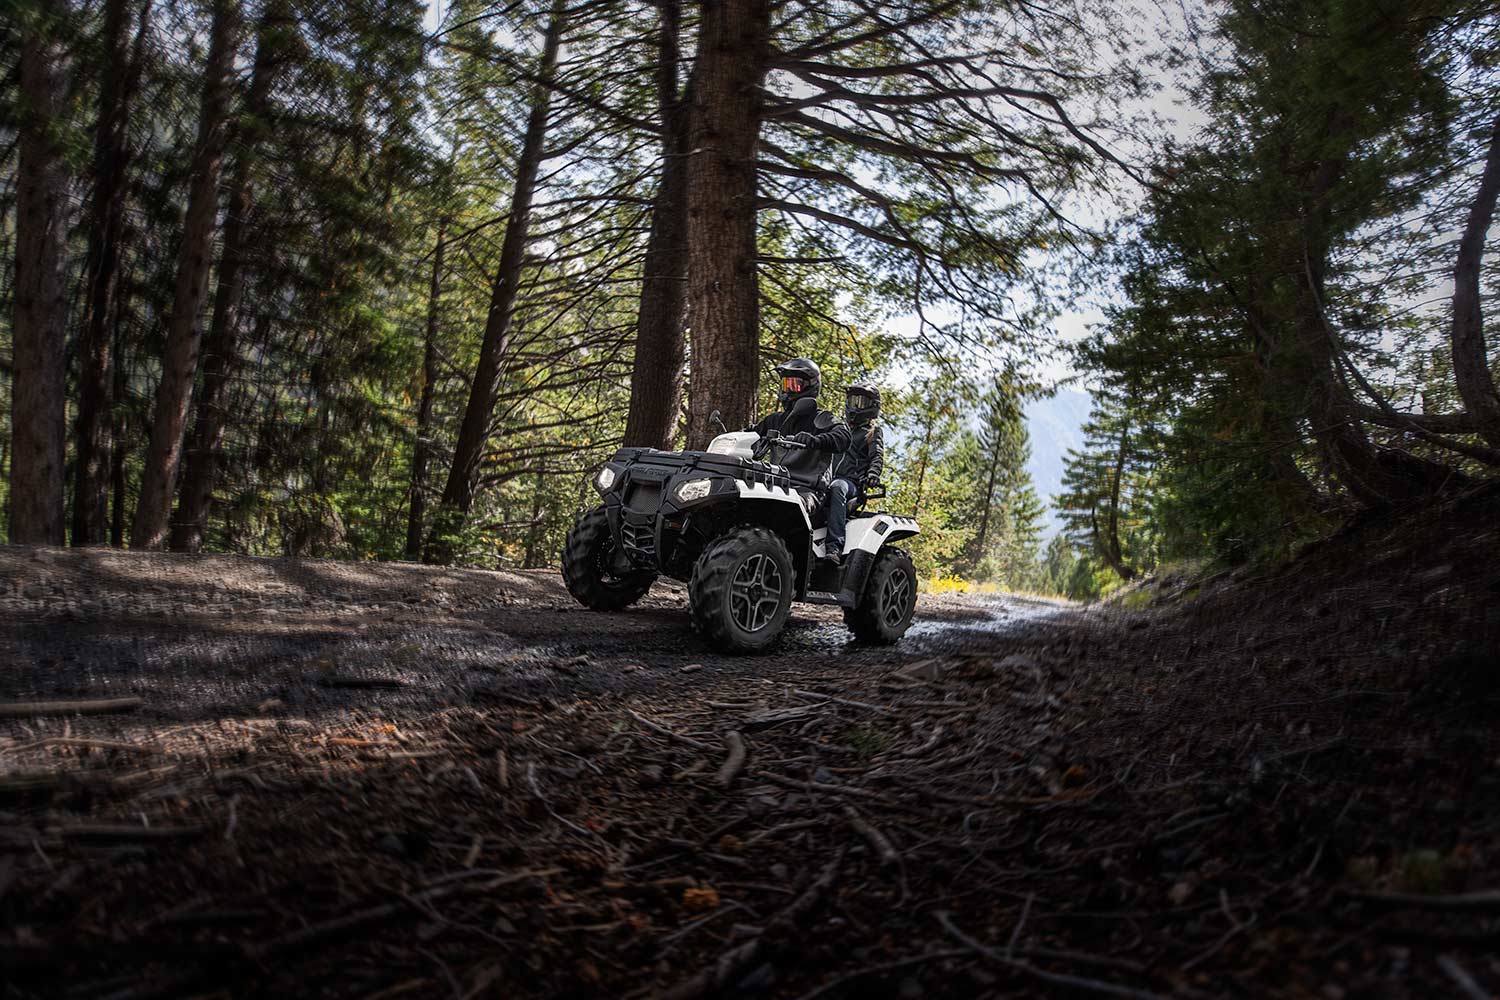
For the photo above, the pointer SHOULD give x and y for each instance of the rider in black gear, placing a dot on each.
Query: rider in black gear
(858, 467)
(800, 420)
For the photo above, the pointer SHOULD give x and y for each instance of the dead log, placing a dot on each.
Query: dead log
(96, 706)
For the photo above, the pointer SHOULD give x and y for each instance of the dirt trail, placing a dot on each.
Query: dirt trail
(363, 780)
(218, 637)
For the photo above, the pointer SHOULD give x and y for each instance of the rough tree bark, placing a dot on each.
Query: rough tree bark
(1471, 368)
(1316, 360)
(1113, 553)
(180, 358)
(39, 312)
(723, 296)
(422, 447)
(982, 536)
(93, 430)
(473, 435)
(660, 345)
(221, 346)
(117, 485)
(926, 451)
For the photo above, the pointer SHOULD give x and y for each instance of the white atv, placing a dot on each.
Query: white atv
(746, 537)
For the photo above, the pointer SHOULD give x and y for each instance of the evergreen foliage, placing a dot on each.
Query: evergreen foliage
(1297, 330)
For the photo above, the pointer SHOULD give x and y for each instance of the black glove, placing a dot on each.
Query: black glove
(871, 482)
(801, 437)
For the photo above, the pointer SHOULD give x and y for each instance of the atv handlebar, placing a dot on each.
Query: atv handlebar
(773, 437)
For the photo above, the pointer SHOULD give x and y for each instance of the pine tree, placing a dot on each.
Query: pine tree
(40, 308)
(1106, 487)
(1004, 505)
(179, 367)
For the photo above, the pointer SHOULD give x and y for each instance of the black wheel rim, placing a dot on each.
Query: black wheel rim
(755, 592)
(895, 597)
(604, 557)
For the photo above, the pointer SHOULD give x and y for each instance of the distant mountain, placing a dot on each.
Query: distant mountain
(1056, 425)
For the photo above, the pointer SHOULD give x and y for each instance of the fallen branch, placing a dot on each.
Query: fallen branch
(843, 701)
(932, 741)
(1055, 978)
(1486, 900)
(361, 682)
(1461, 978)
(75, 741)
(871, 970)
(735, 763)
(819, 786)
(732, 965)
(884, 849)
(657, 727)
(115, 832)
(97, 706)
(321, 933)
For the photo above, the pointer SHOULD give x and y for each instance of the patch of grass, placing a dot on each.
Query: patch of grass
(1425, 872)
(867, 741)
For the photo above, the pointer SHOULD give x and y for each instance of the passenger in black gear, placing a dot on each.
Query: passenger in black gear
(857, 468)
(800, 420)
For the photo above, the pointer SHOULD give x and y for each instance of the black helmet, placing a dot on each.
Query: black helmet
(800, 379)
(861, 403)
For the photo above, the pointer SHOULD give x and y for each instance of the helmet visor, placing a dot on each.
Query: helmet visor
(791, 383)
(860, 401)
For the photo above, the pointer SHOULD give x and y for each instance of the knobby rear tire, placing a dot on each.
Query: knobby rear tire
(873, 620)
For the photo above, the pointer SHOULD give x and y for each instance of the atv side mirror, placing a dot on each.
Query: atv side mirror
(802, 405)
(718, 418)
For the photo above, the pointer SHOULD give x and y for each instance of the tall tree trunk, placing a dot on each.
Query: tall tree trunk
(39, 312)
(117, 485)
(221, 346)
(180, 358)
(93, 430)
(1114, 554)
(1471, 367)
(926, 452)
(531, 557)
(660, 345)
(723, 295)
(473, 435)
(989, 500)
(422, 447)
(1316, 357)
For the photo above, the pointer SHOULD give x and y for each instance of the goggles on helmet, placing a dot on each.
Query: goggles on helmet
(791, 383)
(860, 401)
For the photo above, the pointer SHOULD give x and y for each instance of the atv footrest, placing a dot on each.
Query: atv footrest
(843, 600)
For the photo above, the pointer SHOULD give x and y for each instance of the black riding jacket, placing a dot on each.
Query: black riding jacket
(864, 460)
(807, 464)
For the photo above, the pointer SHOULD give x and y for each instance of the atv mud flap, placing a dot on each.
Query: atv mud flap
(840, 585)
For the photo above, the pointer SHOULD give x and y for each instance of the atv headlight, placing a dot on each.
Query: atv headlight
(693, 489)
(605, 479)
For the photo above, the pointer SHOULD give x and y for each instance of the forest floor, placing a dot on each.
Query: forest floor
(356, 779)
